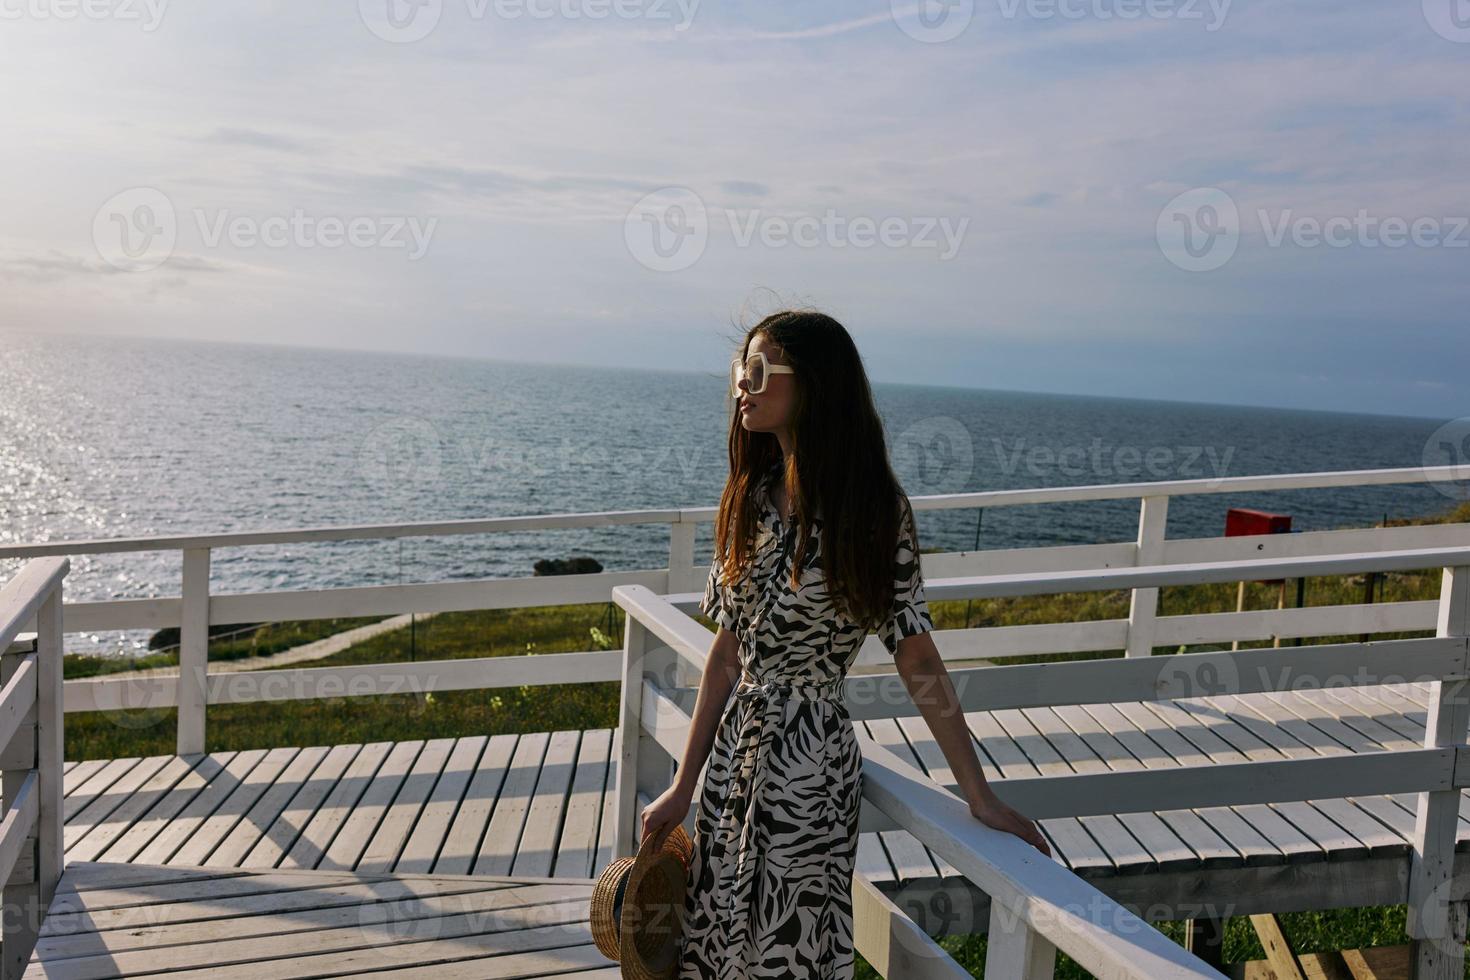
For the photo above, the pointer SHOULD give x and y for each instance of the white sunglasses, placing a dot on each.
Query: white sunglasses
(757, 370)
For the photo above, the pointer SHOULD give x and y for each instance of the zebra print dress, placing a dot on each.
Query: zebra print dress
(776, 826)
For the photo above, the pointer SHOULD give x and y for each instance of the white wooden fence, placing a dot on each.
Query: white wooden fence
(197, 607)
(665, 648)
(30, 757)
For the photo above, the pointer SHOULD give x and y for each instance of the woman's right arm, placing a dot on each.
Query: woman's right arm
(721, 673)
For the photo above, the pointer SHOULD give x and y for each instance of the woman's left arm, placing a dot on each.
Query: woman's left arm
(929, 685)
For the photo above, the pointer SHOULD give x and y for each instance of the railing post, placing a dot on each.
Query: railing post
(36, 747)
(193, 651)
(1015, 951)
(1153, 514)
(22, 890)
(1437, 925)
(50, 746)
(630, 731)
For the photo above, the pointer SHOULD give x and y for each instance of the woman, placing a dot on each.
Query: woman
(805, 567)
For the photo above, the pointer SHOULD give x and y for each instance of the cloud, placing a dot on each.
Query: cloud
(1059, 139)
(56, 266)
(745, 188)
(234, 136)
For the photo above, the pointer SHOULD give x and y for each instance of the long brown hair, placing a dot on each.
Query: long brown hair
(838, 466)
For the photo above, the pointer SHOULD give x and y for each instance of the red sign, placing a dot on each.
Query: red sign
(1240, 520)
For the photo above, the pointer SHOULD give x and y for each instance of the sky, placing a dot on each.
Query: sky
(1240, 202)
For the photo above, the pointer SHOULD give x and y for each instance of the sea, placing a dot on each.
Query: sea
(120, 437)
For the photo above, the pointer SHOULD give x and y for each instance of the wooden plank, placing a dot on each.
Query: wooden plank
(910, 859)
(872, 857)
(1160, 746)
(605, 829)
(349, 948)
(138, 909)
(147, 827)
(423, 846)
(472, 817)
(77, 773)
(172, 835)
(297, 914)
(1085, 794)
(101, 805)
(391, 836)
(1128, 854)
(578, 841)
(503, 835)
(1374, 963)
(1200, 842)
(872, 860)
(571, 962)
(1246, 735)
(1278, 951)
(82, 877)
(1110, 680)
(1229, 828)
(1246, 844)
(311, 846)
(537, 850)
(1373, 834)
(214, 828)
(920, 741)
(1070, 841)
(95, 784)
(1407, 717)
(358, 826)
(122, 817)
(292, 821)
(1163, 842)
(1358, 733)
(267, 808)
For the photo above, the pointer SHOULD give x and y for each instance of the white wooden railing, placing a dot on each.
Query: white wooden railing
(30, 758)
(192, 688)
(665, 650)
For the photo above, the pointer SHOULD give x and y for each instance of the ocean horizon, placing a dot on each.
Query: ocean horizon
(115, 437)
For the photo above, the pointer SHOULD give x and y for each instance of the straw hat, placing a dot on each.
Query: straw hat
(638, 907)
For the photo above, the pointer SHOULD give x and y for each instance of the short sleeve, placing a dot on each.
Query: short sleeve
(910, 613)
(717, 604)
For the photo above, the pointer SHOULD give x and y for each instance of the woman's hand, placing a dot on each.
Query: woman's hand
(665, 813)
(993, 813)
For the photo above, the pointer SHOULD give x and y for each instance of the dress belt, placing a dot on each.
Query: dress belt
(749, 687)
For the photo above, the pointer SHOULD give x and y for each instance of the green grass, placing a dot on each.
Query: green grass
(556, 629)
(268, 638)
(1308, 932)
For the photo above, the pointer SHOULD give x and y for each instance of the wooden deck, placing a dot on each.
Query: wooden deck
(112, 920)
(539, 805)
